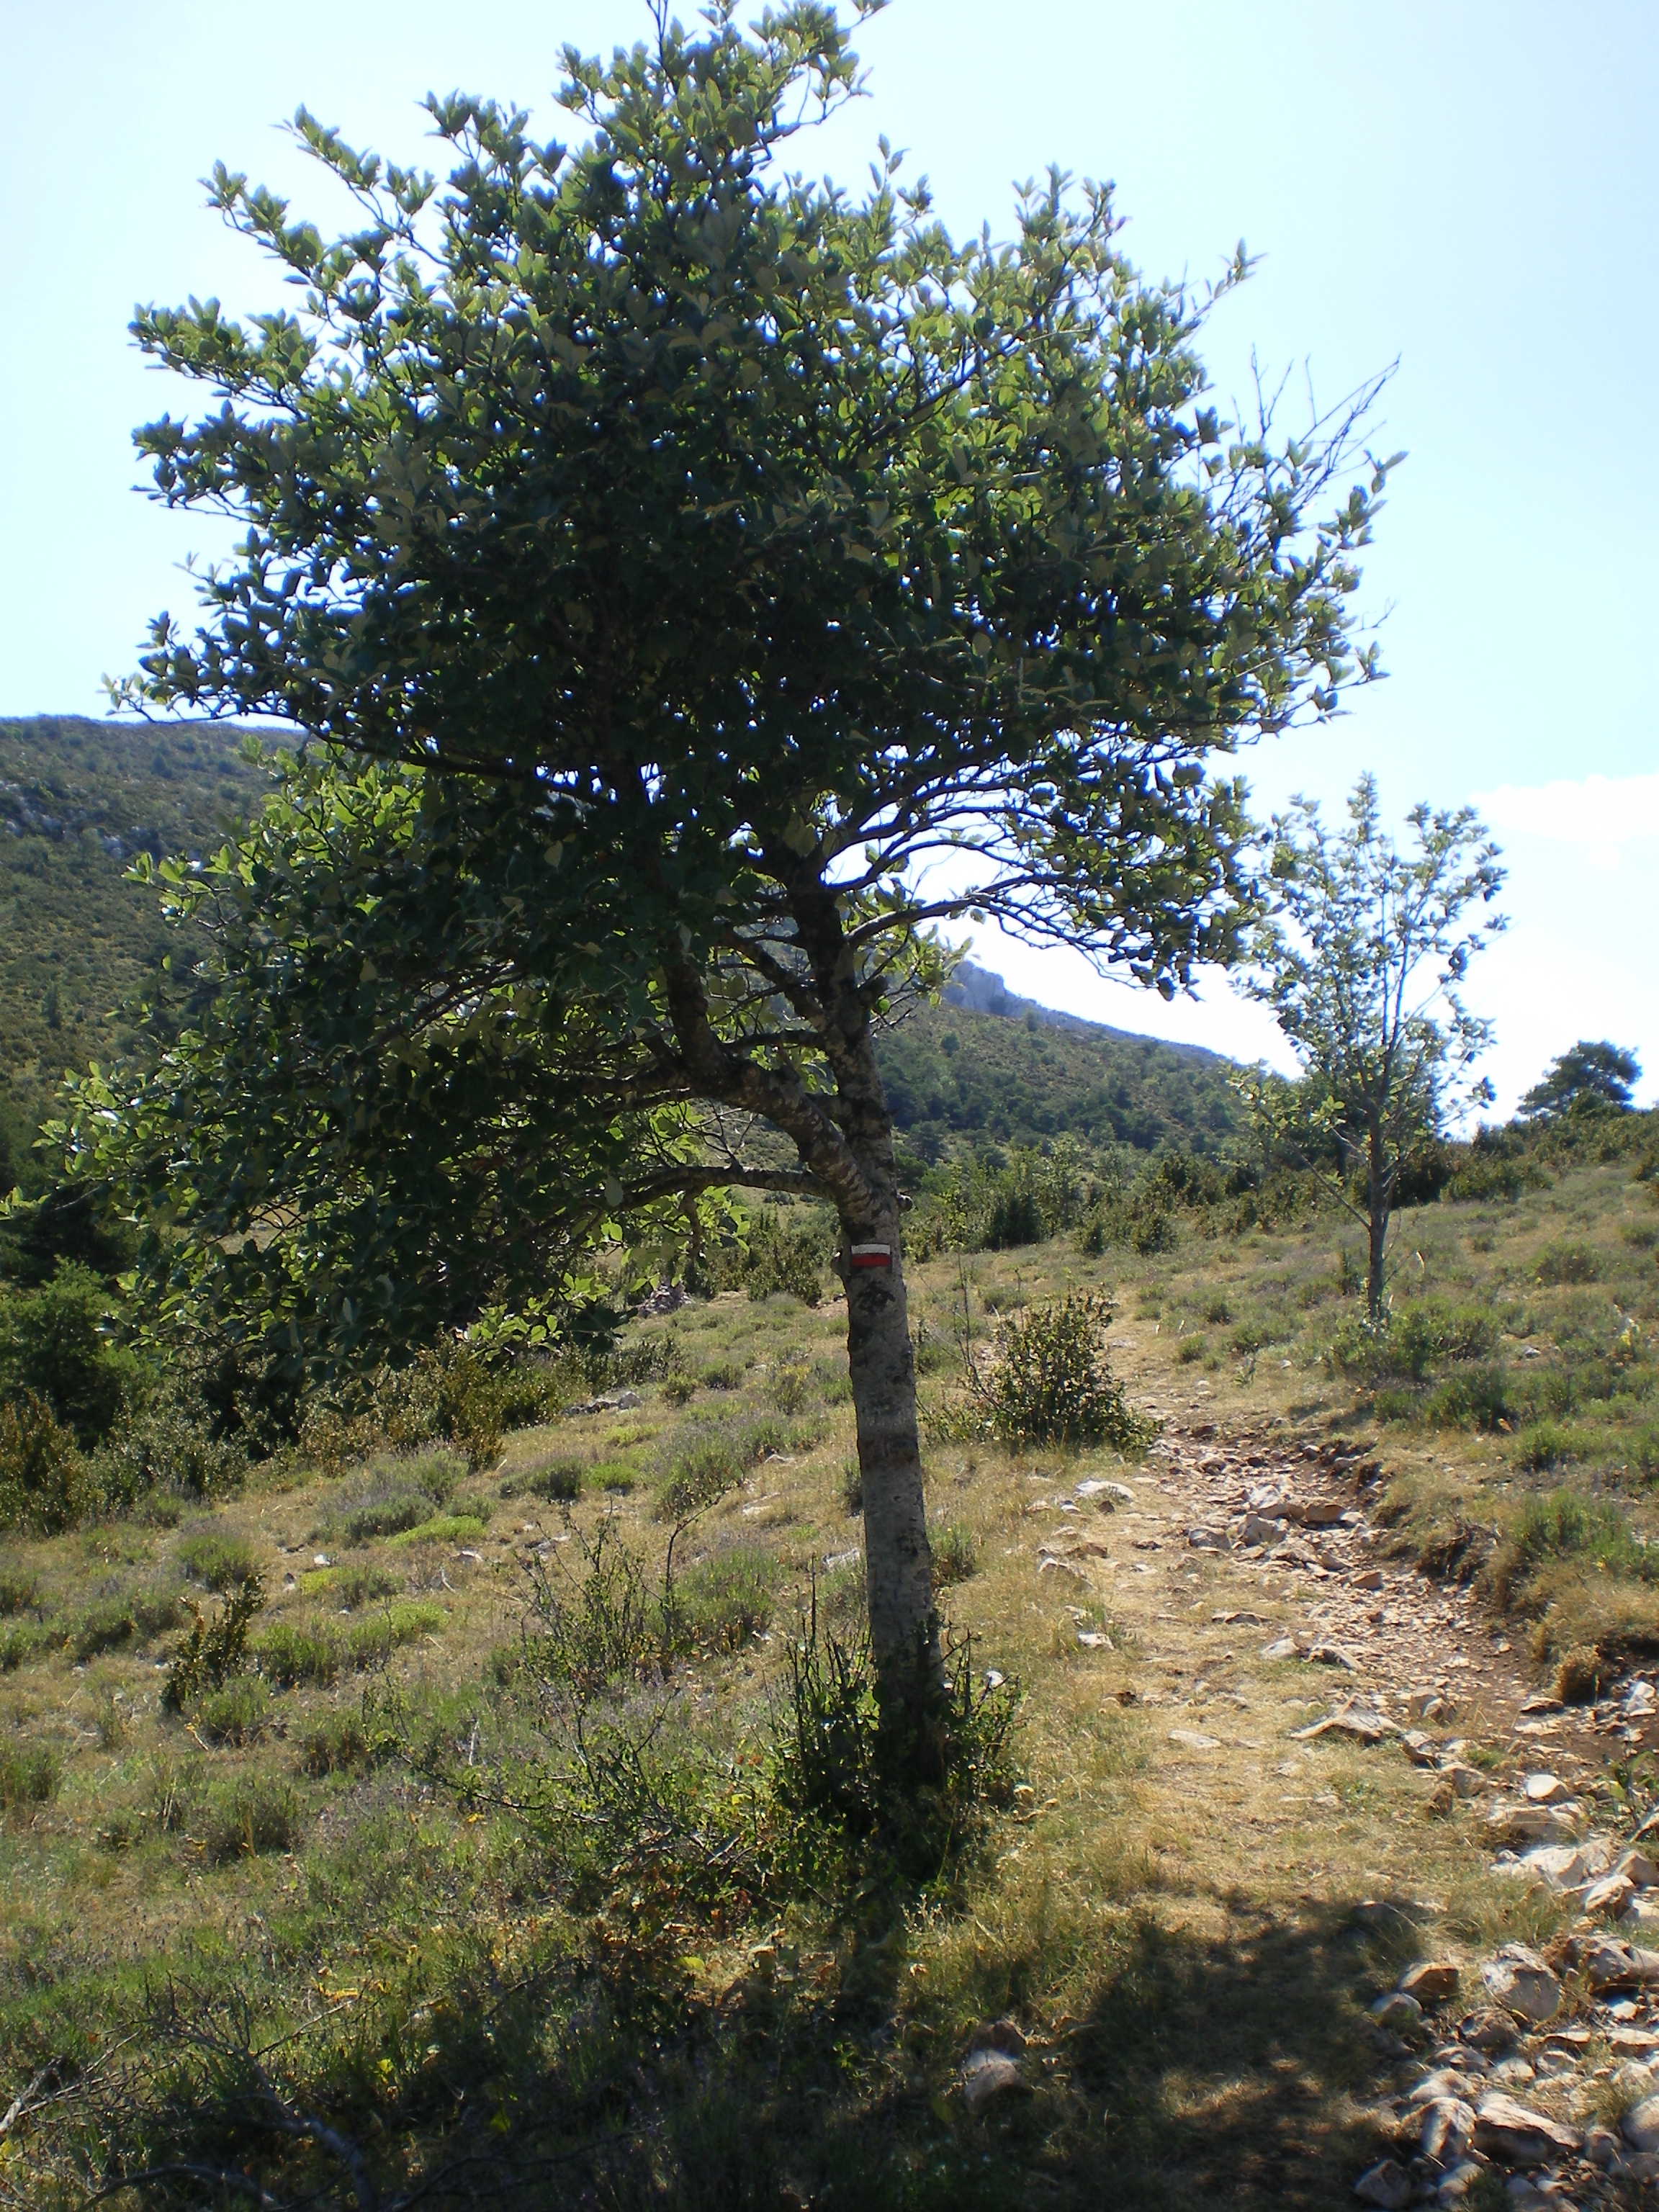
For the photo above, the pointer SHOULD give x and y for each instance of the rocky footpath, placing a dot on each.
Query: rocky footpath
(1535, 2073)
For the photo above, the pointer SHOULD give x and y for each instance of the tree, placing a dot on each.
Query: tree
(1589, 1076)
(1361, 955)
(696, 586)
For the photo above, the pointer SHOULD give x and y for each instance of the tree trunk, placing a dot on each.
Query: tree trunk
(1377, 1188)
(898, 1562)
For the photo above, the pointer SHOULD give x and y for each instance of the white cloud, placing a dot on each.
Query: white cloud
(1599, 813)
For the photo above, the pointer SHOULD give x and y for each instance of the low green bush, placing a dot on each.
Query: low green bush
(340, 1743)
(1411, 1338)
(29, 1775)
(237, 1712)
(558, 1480)
(221, 1562)
(1543, 1445)
(389, 1515)
(1052, 1383)
(18, 1645)
(1569, 1261)
(1190, 1350)
(46, 1482)
(350, 1587)
(1567, 1524)
(956, 1554)
(19, 1592)
(722, 1375)
(249, 1814)
(1478, 1399)
(724, 1601)
(110, 1622)
(287, 1655)
(371, 1641)
(215, 1649)
(445, 1529)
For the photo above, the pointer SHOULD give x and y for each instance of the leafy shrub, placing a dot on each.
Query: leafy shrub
(214, 1650)
(1543, 1445)
(722, 1375)
(1216, 1310)
(45, 1483)
(248, 1814)
(1052, 1383)
(1640, 1236)
(132, 1616)
(29, 1775)
(17, 1646)
(1582, 1675)
(698, 1478)
(350, 1586)
(387, 1516)
(221, 1562)
(445, 1529)
(19, 1593)
(168, 1442)
(1566, 1524)
(1485, 1177)
(237, 1712)
(173, 1791)
(557, 1479)
(956, 1554)
(680, 1390)
(372, 1641)
(852, 1487)
(722, 1602)
(1642, 1451)
(1190, 1350)
(54, 1346)
(591, 1628)
(1478, 1399)
(340, 1743)
(1411, 1338)
(1569, 1261)
(787, 1385)
(287, 1655)
(619, 1475)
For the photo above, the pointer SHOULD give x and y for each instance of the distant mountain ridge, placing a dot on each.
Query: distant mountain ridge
(78, 942)
(980, 991)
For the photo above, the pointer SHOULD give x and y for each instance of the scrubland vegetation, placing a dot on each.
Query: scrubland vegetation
(523, 1834)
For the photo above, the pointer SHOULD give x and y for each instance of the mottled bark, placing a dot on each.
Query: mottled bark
(1377, 1209)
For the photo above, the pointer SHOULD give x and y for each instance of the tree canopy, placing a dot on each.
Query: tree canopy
(1588, 1075)
(697, 584)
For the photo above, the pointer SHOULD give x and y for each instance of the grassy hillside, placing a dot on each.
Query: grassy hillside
(373, 1878)
(78, 800)
(955, 1076)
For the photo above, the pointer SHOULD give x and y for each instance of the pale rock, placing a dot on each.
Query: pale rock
(1518, 1825)
(1321, 1513)
(1371, 1579)
(1560, 1865)
(1332, 1654)
(1444, 2081)
(1062, 1570)
(1640, 1868)
(1448, 2129)
(1506, 2129)
(1257, 1530)
(1386, 2185)
(1641, 1913)
(1640, 1700)
(1394, 2009)
(1431, 1981)
(1487, 2029)
(987, 2074)
(1518, 1979)
(1608, 1898)
(1193, 1740)
(1543, 1789)
(1600, 2146)
(1418, 1748)
(1641, 2125)
(1209, 1540)
(1455, 2184)
(1609, 1963)
(1005, 2035)
(1466, 1781)
(1282, 1647)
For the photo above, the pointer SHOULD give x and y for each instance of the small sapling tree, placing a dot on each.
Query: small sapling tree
(1362, 953)
(695, 584)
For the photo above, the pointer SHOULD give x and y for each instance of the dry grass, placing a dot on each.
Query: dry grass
(1189, 1936)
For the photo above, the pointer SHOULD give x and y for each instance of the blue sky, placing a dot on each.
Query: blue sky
(1470, 191)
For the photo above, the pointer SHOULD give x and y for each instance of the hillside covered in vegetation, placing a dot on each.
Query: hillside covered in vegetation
(79, 800)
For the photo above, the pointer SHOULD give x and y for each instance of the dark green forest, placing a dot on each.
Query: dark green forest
(80, 799)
